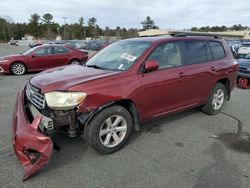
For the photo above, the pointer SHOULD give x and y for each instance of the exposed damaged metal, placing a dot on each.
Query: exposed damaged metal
(32, 140)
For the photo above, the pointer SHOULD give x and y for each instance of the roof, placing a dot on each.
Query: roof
(171, 38)
(149, 39)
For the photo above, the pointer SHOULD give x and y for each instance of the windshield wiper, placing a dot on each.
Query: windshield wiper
(94, 66)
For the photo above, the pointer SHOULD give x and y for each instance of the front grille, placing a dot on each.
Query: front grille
(35, 96)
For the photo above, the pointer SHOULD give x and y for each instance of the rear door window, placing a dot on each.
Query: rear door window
(197, 52)
(60, 50)
(217, 50)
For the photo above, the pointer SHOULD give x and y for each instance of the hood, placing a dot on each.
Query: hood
(244, 62)
(14, 56)
(65, 77)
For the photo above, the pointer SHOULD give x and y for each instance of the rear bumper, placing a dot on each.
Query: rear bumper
(32, 147)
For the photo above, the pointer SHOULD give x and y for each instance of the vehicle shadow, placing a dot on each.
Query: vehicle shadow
(155, 126)
(73, 149)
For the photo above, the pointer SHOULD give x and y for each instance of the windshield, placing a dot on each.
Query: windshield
(118, 56)
(29, 51)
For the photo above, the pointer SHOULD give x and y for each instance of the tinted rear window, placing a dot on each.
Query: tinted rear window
(197, 52)
(217, 50)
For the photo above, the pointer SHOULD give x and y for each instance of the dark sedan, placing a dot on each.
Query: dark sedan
(244, 67)
(40, 58)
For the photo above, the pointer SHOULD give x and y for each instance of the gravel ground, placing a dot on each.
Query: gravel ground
(189, 149)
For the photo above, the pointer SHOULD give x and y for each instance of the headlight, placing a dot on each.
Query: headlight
(3, 61)
(65, 100)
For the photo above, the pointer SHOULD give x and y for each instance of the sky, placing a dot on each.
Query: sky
(167, 14)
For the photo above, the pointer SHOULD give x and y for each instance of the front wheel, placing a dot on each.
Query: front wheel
(18, 69)
(109, 130)
(216, 100)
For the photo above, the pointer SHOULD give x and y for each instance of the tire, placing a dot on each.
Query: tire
(74, 62)
(109, 130)
(216, 100)
(18, 69)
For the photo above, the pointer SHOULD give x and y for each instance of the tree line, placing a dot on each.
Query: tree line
(44, 27)
(236, 27)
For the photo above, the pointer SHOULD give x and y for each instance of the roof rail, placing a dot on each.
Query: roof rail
(193, 34)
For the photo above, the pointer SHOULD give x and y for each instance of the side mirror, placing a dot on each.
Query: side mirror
(151, 65)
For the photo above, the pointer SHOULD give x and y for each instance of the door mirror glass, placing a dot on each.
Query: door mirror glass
(151, 65)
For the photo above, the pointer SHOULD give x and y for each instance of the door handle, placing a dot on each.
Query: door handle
(181, 75)
(213, 68)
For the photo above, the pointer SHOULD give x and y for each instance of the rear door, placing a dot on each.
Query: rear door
(163, 90)
(199, 71)
(61, 56)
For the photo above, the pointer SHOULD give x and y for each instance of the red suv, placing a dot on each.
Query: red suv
(41, 58)
(122, 86)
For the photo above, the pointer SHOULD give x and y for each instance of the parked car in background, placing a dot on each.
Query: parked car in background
(244, 67)
(36, 43)
(13, 42)
(41, 58)
(234, 49)
(95, 45)
(125, 84)
(243, 50)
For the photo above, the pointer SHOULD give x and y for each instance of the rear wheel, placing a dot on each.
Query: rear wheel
(18, 69)
(109, 130)
(216, 100)
(74, 62)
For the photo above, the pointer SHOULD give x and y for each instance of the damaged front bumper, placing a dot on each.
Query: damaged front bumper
(32, 147)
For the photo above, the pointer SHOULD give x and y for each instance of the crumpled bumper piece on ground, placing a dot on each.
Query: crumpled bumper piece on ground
(32, 147)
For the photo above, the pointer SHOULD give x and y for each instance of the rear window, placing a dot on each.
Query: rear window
(217, 50)
(197, 52)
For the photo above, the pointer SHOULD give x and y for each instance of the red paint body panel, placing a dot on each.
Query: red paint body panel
(27, 137)
(39, 63)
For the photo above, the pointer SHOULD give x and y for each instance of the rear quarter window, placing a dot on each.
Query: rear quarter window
(217, 50)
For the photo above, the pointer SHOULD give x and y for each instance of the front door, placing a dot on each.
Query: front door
(164, 90)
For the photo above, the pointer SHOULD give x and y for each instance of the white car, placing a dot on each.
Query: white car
(244, 50)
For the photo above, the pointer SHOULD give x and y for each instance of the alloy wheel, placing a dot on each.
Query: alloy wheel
(218, 99)
(74, 62)
(18, 69)
(113, 131)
